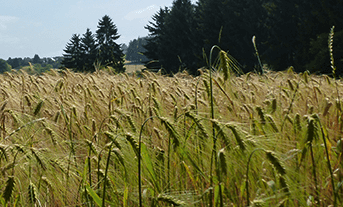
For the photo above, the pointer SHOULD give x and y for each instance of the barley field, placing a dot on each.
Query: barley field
(73, 139)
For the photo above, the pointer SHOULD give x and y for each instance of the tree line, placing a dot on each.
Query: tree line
(39, 64)
(87, 52)
(288, 33)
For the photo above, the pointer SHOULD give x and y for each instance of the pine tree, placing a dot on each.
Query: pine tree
(89, 51)
(73, 54)
(109, 52)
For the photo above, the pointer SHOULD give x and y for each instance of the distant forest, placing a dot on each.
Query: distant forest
(288, 33)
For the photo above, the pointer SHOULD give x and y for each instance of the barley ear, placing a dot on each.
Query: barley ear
(57, 116)
(131, 122)
(222, 161)
(221, 133)
(306, 76)
(52, 134)
(311, 130)
(38, 157)
(239, 140)
(224, 64)
(276, 162)
(171, 130)
(332, 33)
(112, 137)
(170, 200)
(10, 185)
(3, 106)
(120, 156)
(257, 55)
(198, 122)
(297, 122)
(257, 203)
(272, 122)
(91, 146)
(3, 151)
(32, 193)
(38, 107)
(284, 185)
(133, 143)
(261, 114)
(274, 105)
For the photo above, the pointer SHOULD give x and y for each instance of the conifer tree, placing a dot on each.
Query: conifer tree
(156, 30)
(73, 54)
(109, 52)
(89, 51)
(178, 42)
(171, 39)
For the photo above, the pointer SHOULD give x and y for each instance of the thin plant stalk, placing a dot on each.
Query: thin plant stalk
(328, 162)
(257, 55)
(290, 105)
(139, 162)
(105, 176)
(213, 128)
(247, 176)
(314, 173)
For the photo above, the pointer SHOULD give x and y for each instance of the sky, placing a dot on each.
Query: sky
(44, 27)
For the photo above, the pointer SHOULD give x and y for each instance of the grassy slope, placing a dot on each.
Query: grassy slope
(58, 129)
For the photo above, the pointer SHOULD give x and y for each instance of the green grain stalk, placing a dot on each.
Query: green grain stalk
(139, 161)
(290, 105)
(311, 135)
(325, 139)
(277, 165)
(213, 128)
(257, 55)
(106, 170)
(247, 176)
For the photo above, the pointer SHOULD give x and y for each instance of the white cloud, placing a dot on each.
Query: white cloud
(142, 13)
(6, 20)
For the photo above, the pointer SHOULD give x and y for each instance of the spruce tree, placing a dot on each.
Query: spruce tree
(73, 54)
(210, 22)
(156, 30)
(178, 39)
(109, 52)
(89, 51)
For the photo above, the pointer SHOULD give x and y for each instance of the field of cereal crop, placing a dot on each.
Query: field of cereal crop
(73, 139)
